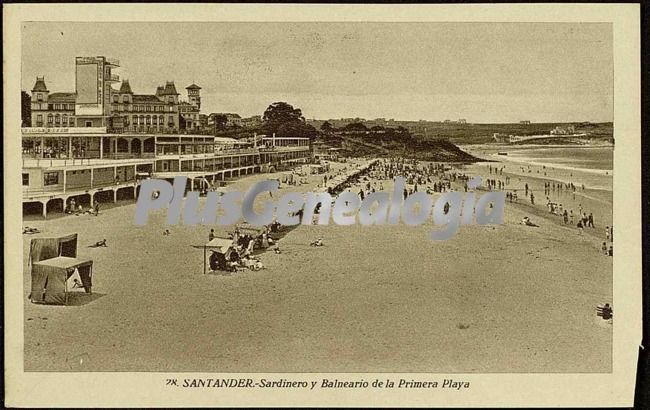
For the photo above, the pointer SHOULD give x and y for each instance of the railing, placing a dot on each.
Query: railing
(51, 162)
(30, 193)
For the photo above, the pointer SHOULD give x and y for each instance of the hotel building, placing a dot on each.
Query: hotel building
(115, 138)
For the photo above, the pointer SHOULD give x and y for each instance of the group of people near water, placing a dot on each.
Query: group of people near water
(582, 220)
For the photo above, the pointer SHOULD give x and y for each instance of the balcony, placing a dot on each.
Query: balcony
(113, 61)
(113, 78)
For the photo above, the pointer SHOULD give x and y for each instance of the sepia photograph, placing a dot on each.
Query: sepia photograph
(380, 199)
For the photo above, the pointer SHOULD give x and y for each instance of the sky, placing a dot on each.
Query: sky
(483, 72)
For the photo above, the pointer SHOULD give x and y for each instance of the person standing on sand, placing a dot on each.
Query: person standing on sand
(211, 235)
(566, 217)
(580, 227)
(571, 219)
(526, 193)
(607, 232)
(591, 220)
(532, 199)
(604, 248)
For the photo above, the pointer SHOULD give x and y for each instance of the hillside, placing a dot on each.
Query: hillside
(424, 150)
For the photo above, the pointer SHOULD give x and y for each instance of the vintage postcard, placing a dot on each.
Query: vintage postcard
(322, 205)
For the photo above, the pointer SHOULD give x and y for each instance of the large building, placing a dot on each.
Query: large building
(95, 103)
(99, 143)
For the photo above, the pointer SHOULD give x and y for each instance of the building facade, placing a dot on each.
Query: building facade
(98, 143)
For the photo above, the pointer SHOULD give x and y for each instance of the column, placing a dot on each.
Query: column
(101, 147)
(45, 208)
(70, 146)
(92, 199)
(115, 195)
(65, 174)
(128, 149)
(92, 177)
(42, 147)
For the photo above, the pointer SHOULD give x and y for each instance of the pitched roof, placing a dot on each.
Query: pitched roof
(146, 98)
(125, 88)
(170, 89)
(193, 87)
(40, 84)
(62, 97)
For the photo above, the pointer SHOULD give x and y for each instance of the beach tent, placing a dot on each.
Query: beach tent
(219, 245)
(252, 230)
(54, 264)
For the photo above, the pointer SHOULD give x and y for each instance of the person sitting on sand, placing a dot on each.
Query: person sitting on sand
(526, 221)
(611, 250)
(166, 232)
(604, 248)
(580, 226)
(99, 244)
(317, 242)
(277, 250)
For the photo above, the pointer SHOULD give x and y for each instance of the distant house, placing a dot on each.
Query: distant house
(525, 122)
(462, 121)
(232, 119)
(251, 122)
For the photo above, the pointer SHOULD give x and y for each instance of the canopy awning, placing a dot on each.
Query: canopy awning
(219, 244)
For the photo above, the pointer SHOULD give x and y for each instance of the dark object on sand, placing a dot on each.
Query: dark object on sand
(99, 244)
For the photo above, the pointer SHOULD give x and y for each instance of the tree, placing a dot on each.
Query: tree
(26, 109)
(281, 113)
(326, 127)
(355, 126)
(296, 129)
(220, 121)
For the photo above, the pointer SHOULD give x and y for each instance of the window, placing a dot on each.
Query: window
(125, 99)
(148, 119)
(116, 98)
(39, 118)
(51, 178)
(171, 120)
(135, 120)
(57, 119)
(148, 108)
(89, 123)
(154, 120)
(49, 119)
(65, 121)
(25, 179)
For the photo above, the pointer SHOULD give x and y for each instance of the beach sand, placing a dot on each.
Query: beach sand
(507, 298)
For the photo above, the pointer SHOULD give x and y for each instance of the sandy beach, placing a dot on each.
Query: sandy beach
(412, 304)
